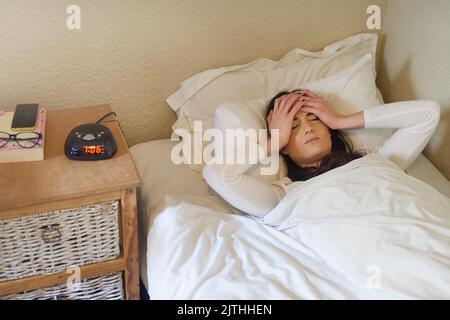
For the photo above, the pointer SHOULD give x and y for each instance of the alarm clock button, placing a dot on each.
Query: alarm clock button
(89, 137)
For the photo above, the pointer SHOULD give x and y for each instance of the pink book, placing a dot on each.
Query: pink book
(12, 152)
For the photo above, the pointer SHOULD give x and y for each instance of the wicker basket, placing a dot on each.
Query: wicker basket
(108, 287)
(53, 241)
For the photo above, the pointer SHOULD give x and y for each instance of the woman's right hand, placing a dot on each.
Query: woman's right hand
(282, 116)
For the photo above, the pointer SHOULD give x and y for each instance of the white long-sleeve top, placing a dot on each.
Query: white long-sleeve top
(416, 122)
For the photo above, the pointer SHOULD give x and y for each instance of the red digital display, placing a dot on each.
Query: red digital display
(96, 149)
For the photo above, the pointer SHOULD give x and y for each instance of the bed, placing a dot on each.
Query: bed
(372, 232)
(193, 245)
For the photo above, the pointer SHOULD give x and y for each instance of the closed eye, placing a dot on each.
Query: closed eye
(314, 117)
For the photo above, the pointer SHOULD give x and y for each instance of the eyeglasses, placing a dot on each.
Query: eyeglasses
(23, 139)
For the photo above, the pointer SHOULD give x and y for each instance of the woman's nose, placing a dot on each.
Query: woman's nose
(307, 127)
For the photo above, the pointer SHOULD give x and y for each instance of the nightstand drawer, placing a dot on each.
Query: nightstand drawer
(107, 287)
(51, 242)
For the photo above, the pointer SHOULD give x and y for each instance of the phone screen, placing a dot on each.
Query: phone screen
(25, 116)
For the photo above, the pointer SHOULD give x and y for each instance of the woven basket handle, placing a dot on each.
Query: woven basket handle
(51, 233)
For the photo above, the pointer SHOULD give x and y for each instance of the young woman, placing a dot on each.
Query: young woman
(311, 143)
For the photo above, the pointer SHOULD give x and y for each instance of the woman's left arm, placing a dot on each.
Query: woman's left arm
(415, 120)
(318, 106)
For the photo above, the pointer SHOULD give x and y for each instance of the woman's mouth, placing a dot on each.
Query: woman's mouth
(312, 140)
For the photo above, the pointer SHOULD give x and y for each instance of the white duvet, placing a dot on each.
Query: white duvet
(365, 230)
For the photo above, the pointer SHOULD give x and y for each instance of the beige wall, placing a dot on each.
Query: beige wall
(416, 63)
(134, 53)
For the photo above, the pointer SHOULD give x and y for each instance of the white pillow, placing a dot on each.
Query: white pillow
(160, 176)
(199, 96)
(349, 91)
(244, 115)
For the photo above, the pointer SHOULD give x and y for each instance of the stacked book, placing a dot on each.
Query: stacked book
(12, 151)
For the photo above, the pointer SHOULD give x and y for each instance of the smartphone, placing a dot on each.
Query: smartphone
(24, 118)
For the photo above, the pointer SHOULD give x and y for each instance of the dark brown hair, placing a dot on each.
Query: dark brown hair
(341, 152)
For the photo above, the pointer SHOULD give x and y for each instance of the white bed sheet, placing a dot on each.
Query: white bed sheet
(189, 195)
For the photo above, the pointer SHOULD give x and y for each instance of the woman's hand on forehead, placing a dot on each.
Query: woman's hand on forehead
(301, 95)
(311, 103)
(287, 101)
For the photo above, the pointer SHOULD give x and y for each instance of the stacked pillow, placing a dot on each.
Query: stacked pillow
(199, 96)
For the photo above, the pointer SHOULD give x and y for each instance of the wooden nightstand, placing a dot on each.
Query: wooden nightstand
(82, 211)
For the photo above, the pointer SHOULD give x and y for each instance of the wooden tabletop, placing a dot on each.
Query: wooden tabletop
(24, 184)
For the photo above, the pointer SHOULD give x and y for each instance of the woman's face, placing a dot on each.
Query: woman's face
(310, 140)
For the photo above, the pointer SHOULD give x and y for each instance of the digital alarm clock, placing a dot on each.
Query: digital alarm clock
(90, 142)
